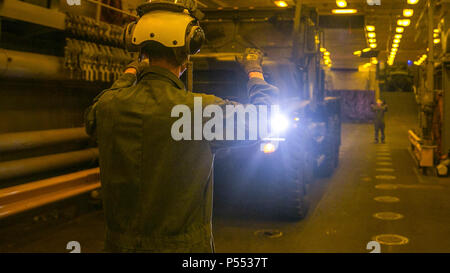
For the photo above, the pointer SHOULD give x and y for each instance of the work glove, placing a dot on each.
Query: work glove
(137, 65)
(251, 61)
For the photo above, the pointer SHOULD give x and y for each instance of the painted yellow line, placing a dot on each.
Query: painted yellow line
(387, 199)
(388, 216)
(384, 170)
(391, 239)
(386, 177)
(408, 186)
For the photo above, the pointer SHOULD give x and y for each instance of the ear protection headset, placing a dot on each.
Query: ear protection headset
(173, 23)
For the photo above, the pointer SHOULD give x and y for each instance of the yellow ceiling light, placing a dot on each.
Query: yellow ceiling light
(344, 11)
(370, 28)
(408, 12)
(435, 35)
(436, 30)
(281, 4)
(403, 22)
(373, 45)
(396, 41)
(394, 49)
(341, 3)
(399, 30)
(374, 60)
(366, 49)
(413, 2)
(398, 36)
(357, 53)
(371, 41)
(395, 45)
(326, 53)
(322, 49)
(436, 41)
(371, 35)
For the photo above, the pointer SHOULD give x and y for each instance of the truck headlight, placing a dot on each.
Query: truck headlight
(279, 123)
(268, 148)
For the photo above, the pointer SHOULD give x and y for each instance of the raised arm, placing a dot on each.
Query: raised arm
(126, 80)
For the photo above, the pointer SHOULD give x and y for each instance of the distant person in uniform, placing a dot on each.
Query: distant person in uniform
(379, 109)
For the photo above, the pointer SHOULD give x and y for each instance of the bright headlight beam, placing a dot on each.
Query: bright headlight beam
(279, 123)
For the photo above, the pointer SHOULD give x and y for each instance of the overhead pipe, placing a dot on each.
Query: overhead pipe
(29, 140)
(29, 166)
(18, 64)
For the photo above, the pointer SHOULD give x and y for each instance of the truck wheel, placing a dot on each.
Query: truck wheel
(293, 201)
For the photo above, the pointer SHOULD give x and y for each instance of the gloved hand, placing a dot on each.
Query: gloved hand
(136, 66)
(251, 61)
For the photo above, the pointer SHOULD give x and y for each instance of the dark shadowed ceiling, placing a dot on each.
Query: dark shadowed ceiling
(342, 42)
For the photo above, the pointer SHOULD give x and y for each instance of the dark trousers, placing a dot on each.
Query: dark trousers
(379, 127)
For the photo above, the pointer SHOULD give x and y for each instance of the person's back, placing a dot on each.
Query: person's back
(154, 187)
(380, 108)
(157, 188)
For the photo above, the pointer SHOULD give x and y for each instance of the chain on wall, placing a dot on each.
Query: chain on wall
(94, 50)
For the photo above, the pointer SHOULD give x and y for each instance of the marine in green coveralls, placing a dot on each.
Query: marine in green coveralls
(379, 109)
(157, 192)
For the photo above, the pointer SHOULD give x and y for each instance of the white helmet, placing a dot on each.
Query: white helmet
(172, 23)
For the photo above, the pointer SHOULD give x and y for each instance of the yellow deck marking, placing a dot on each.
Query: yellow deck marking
(384, 163)
(387, 199)
(391, 239)
(386, 177)
(408, 186)
(387, 215)
(384, 170)
(384, 158)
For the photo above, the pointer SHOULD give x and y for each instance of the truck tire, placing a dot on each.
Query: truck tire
(293, 201)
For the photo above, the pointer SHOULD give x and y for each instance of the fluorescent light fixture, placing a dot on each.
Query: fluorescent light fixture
(344, 11)
(436, 41)
(408, 12)
(394, 49)
(371, 35)
(373, 45)
(371, 41)
(370, 28)
(395, 45)
(399, 30)
(398, 36)
(322, 49)
(374, 60)
(366, 49)
(396, 41)
(281, 4)
(406, 22)
(341, 3)
(357, 53)
(436, 30)
(413, 2)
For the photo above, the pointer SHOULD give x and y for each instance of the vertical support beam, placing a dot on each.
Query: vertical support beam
(98, 11)
(445, 136)
(430, 63)
(296, 30)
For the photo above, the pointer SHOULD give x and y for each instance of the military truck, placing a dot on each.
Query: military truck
(278, 171)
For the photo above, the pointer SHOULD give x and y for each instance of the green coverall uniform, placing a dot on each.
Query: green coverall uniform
(157, 192)
(379, 120)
